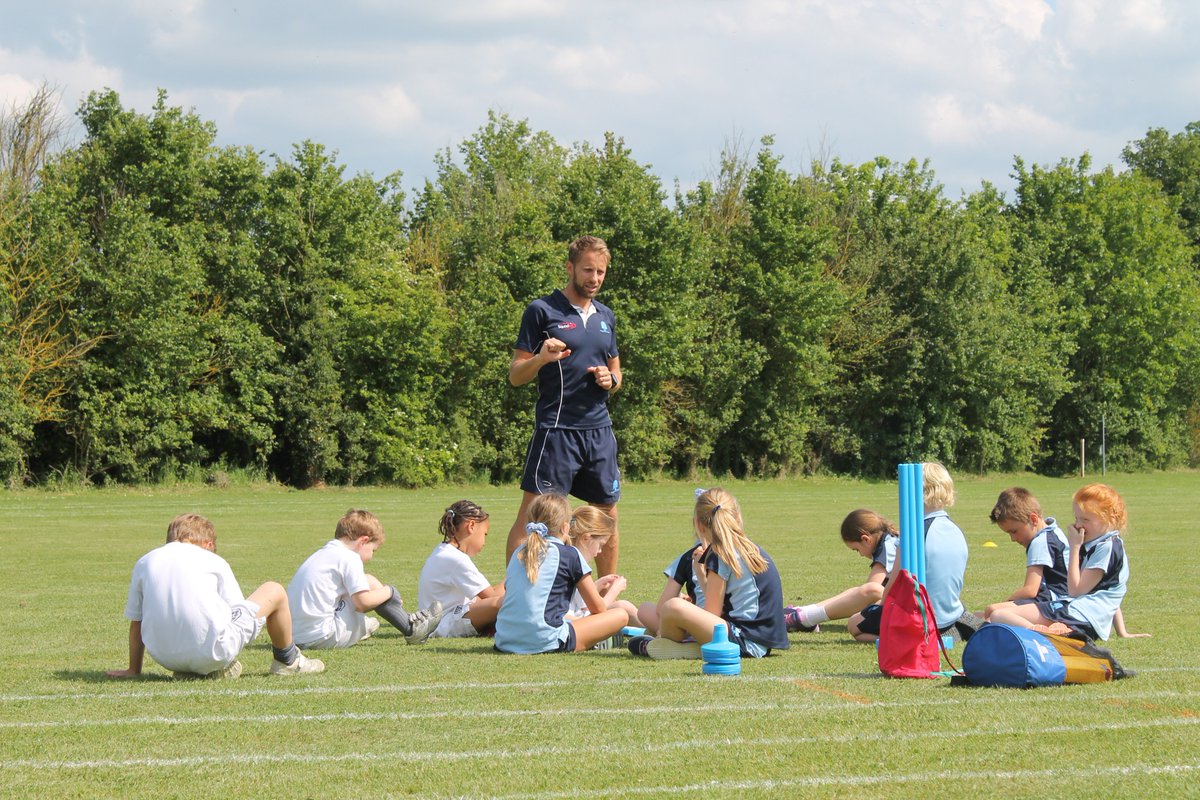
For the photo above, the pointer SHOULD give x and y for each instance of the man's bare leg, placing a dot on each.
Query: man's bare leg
(516, 534)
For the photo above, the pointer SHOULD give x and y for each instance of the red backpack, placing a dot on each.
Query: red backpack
(908, 634)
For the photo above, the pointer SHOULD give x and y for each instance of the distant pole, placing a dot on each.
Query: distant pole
(1082, 458)
(1103, 444)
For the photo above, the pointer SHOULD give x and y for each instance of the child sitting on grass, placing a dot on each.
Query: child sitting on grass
(591, 529)
(331, 592)
(1097, 570)
(186, 608)
(871, 536)
(945, 565)
(1018, 513)
(537, 589)
(451, 578)
(741, 587)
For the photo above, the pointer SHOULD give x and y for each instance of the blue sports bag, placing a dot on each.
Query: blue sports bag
(1004, 655)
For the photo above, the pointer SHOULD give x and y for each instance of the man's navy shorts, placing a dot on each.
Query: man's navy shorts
(579, 463)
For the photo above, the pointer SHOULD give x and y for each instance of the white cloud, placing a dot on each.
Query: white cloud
(507, 9)
(387, 109)
(600, 68)
(1099, 25)
(1026, 17)
(172, 23)
(74, 77)
(15, 89)
(945, 119)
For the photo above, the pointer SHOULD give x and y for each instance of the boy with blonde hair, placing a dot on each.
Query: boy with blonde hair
(331, 592)
(186, 609)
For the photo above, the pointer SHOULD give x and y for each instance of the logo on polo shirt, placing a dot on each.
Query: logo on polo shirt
(603, 326)
(565, 326)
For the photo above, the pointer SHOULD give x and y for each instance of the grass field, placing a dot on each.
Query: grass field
(453, 719)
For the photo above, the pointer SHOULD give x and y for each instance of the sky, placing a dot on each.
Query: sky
(388, 84)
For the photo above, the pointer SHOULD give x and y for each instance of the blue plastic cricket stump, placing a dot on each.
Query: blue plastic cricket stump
(721, 656)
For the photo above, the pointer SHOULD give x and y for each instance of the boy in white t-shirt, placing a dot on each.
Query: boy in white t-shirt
(186, 608)
(331, 592)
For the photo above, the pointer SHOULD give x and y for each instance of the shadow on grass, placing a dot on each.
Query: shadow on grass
(98, 676)
(870, 676)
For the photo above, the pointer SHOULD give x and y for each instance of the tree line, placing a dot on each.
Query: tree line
(170, 305)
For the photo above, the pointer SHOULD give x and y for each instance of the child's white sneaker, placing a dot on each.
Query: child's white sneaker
(231, 671)
(372, 626)
(301, 666)
(662, 649)
(425, 622)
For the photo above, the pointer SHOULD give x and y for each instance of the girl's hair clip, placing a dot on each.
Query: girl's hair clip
(450, 511)
(537, 527)
(700, 492)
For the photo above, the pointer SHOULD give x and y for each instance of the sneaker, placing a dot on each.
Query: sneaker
(231, 671)
(967, 624)
(637, 644)
(791, 616)
(372, 626)
(661, 649)
(301, 666)
(425, 622)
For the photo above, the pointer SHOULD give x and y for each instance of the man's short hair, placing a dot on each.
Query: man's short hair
(587, 244)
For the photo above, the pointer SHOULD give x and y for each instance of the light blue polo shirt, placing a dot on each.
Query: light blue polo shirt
(1098, 607)
(531, 617)
(945, 566)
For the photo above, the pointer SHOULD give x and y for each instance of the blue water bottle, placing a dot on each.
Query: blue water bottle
(721, 656)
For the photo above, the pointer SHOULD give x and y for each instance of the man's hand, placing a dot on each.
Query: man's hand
(604, 377)
(553, 350)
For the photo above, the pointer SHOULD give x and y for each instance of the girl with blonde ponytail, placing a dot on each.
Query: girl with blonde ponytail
(542, 574)
(741, 589)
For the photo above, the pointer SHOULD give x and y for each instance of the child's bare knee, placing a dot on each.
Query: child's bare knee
(872, 593)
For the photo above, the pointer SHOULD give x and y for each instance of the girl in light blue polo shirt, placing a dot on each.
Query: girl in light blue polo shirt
(541, 576)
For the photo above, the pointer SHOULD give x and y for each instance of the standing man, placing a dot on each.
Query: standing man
(568, 342)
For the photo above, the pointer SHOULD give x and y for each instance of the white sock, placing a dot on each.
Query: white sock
(813, 615)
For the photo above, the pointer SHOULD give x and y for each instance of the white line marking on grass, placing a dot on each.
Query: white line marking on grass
(789, 705)
(854, 780)
(167, 689)
(370, 716)
(202, 688)
(573, 749)
(823, 702)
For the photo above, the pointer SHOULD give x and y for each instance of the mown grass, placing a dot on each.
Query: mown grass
(454, 719)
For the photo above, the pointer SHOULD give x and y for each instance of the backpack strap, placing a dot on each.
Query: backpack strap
(946, 655)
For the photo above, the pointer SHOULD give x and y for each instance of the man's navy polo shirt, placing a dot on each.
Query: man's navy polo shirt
(568, 395)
